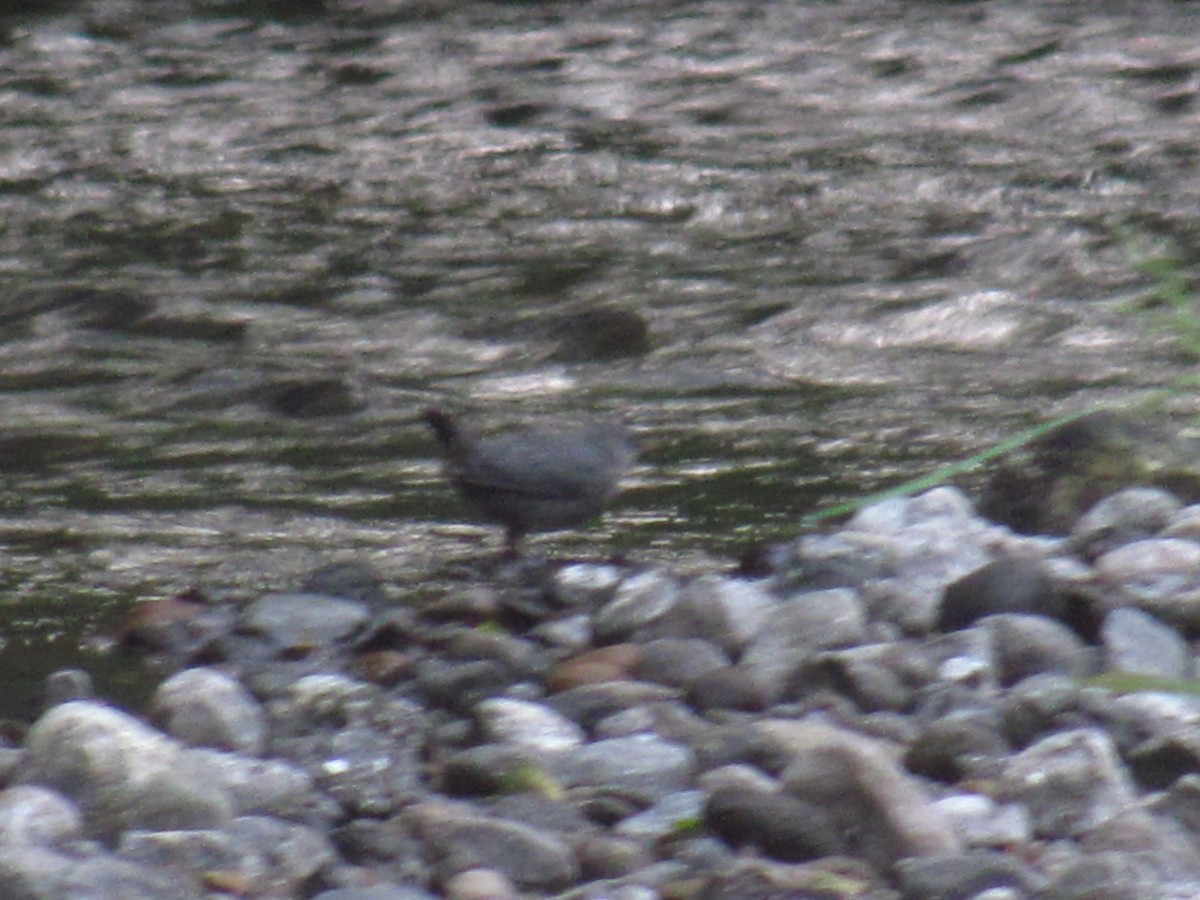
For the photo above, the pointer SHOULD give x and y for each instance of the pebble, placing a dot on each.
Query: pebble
(902, 708)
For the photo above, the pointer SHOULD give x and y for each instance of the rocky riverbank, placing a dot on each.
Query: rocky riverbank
(905, 707)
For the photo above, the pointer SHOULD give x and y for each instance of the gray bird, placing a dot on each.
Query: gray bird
(543, 477)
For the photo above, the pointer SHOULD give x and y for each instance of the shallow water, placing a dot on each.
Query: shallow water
(245, 244)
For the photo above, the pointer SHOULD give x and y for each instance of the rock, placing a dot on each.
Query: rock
(529, 725)
(678, 662)
(782, 826)
(1025, 645)
(1138, 643)
(966, 875)
(35, 815)
(298, 621)
(1129, 515)
(1160, 575)
(207, 708)
(121, 773)
(664, 818)
(797, 628)
(35, 873)
(1070, 782)
(858, 783)
(639, 600)
(642, 766)
(460, 839)
(1005, 585)
(981, 822)
(726, 612)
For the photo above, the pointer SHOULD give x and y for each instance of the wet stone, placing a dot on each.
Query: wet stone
(949, 747)
(966, 875)
(1138, 643)
(30, 814)
(206, 707)
(586, 585)
(678, 662)
(1129, 515)
(798, 627)
(984, 823)
(1070, 782)
(480, 884)
(34, 873)
(1161, 575)
(529, 725)
(639, 600)
(1006, 585)
(1026, 645)
(460, 839)
(376, 892)
(588, 704)
(857, 782)
(728, 688)
(121, 773)
(780, 825)
(665, 816)
(727, 612)
(638, 766)
(303, 620)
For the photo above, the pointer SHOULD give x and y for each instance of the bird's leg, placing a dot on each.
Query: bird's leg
(512, 541)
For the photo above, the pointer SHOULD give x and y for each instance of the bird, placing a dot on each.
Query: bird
(546, 476)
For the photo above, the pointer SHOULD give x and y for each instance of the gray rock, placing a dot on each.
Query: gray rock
(1161, 840)
(1025, 645)
(589, 703)
(35, 873)
(663, 818)
(1135, 641)
(1039, 704)
(882, 810)
(1006, 585)
(208, 708)
(874, 677)
(727, 612)
(1160, 575)
(262, 786)
(458, 838)
(526, 724)
(376, 892)
(795, 629)
(965, 875)
(729, 688)
(30, 814)
(479, 884)
(282, 855)
(641, 766)
(304, 620)
(677, 662)
(1070, 782)
(952, 746)
(639, 600)
(1129, 515)
(122, 773)
(194, 850)
(587, 585)
(983, 823)
(780, 825)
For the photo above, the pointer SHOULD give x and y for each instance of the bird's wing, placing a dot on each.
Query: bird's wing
(539, 465)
